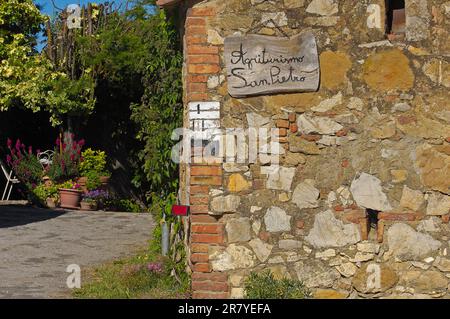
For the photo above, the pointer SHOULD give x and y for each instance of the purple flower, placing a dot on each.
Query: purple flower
(96, 194)
(155, 267)
(9, 143)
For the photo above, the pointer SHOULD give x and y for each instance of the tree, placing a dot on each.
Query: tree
(28, 79)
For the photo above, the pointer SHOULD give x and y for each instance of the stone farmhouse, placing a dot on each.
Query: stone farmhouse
(324, 153)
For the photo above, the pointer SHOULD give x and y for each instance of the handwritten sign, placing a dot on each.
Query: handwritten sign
(258, 64)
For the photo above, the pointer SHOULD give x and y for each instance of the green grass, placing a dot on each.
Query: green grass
(129, 278)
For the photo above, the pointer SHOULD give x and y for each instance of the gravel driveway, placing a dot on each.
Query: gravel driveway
(37, 245)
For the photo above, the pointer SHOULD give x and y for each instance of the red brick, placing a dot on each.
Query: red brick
(197, 87)
(202, 49)
(207, 238)
(204, 68)
(283, 139)
(199, 189)
(201, 12)
(197, 97)
(199, 200)
(364, 228)
(292, 117)
(338, 208)
(213, 276)
(199, 258)
(203, 59)
(300, 224)
(196, 30)
(199, 248)
(282, 123)
(206, 180)
(258, 184)
(354, 216)
(342, 132)
(445, 218)
(209, 295)
(311, 137)
(197, 79)
(380, 231)
(199, 209)
(207, 228)
(209, 286)
(206, 171)
(390, 97)
(447, 139)
(264, 236)
(345, 163)
(281, 132)
(195, 21)
(196, 39)
(201, 267)
(203, 219)
(293, 128)
(397, 216)
(406, 119)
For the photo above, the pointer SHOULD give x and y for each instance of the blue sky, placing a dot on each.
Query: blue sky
(48, 9)
(47, 6)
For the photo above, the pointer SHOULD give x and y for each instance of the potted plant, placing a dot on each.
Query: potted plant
(46, 196)
(93, 171)
(66, 159)
(88, 203)
(70, 195)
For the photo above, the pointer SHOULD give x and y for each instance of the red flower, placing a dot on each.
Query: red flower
(9, 143)
(18, 144)
(8, 159)
(30, 150)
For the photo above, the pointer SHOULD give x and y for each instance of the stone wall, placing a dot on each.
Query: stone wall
(362, 189)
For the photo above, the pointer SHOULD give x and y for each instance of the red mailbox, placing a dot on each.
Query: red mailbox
(180, 210)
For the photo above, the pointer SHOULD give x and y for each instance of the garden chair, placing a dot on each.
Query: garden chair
(10, 181)
(45, 158)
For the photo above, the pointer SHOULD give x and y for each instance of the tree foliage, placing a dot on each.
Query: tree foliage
(29, 79)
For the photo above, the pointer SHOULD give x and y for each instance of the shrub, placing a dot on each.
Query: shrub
(24, 163)
(93, 180)
(122, 205)
(93, 161)
(265, 286)
(42, 192)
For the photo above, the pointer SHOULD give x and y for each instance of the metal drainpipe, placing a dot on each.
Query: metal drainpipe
(164, 236)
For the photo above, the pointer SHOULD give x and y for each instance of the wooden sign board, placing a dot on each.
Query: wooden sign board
(258, 64)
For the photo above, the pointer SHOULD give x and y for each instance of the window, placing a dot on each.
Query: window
(395, 19)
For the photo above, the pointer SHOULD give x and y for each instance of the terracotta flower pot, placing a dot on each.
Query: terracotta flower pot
(89, 206)
(70, 198)
(51, 203)
(82, 182)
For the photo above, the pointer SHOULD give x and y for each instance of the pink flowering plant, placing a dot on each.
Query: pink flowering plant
(24, 163)
(66, 159)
